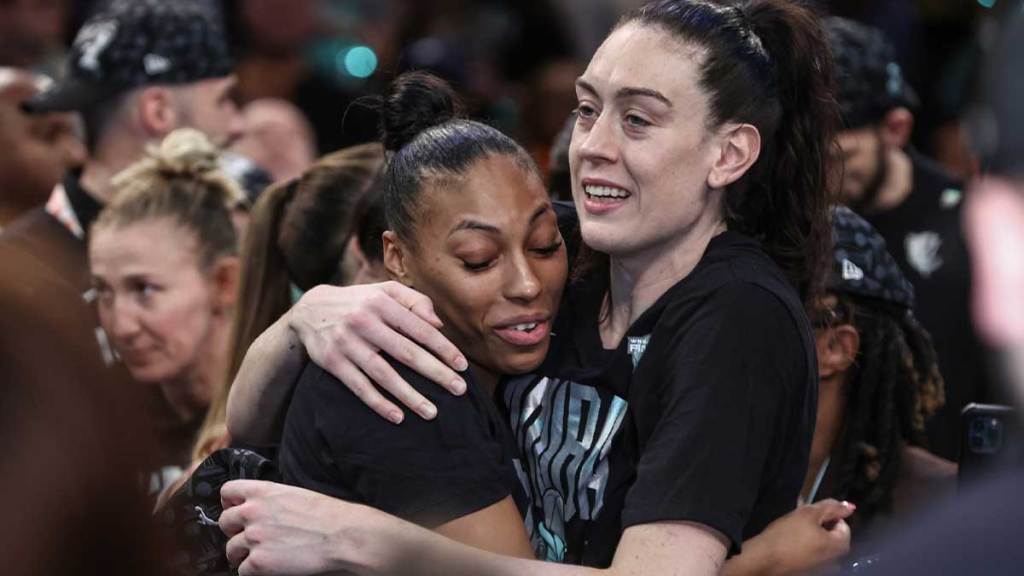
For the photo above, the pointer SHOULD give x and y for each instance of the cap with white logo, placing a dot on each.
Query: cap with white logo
(134, 43)
(861, 264)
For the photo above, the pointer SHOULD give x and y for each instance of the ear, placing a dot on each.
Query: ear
(837, 350)
(395, 258)
(157, 112)
(739, 149)
(354, 253)
(896, 127)
(224, 283)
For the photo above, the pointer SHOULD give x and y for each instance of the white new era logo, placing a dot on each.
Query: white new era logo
(155, 64)
(851, 271)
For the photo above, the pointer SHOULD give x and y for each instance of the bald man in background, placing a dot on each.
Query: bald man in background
(35, 150)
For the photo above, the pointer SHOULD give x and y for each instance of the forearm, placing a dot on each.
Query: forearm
(410, 550)
(755, 560)
(257, 402)
(400, 547)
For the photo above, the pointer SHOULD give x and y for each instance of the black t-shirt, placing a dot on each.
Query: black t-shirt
(428, 472)
(924, 236)
(703, 413)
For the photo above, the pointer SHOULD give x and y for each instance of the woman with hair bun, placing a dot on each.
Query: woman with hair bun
(672, 417)
(164, 265)
(469, 225)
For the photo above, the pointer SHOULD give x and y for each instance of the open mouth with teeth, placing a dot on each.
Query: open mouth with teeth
(606, 193)
(524, 334)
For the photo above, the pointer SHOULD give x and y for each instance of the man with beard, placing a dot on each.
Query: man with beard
(915, 205)
(137, 70)
(979, 533)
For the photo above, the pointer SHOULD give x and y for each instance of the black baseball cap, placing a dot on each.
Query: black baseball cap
(869, 80)
(132, 43)
(862, 265)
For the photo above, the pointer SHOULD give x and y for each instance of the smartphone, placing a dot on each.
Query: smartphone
(989, 438)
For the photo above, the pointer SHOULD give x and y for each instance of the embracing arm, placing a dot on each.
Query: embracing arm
(342, 329)
(671, 548)
(257, 402)
(283, 530)
(288, 531)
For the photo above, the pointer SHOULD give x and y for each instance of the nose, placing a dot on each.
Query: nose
(600, 142)
(121, 320)
(522, 283)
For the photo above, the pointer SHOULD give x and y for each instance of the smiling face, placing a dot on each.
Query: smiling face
(641, 151)
(487, 250)
(155, 303)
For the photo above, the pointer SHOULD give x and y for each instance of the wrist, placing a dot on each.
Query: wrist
(762, 559)
(367, 542)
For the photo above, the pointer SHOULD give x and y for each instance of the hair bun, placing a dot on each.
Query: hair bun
(186, 152)
(414, 102)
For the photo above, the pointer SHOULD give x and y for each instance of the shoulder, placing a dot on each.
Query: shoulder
(32, 228)
(740, 333)
(742, 307)
(325, 402)
(935, 189)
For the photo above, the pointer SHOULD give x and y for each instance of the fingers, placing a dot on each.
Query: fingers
(367, 392)
(841, 536)
(829, 511)
(396, 313)
(237, 549)
(232, 521)
(232, 493)
(412, 300)
(419, 346)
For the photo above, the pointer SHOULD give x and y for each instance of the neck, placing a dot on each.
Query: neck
(190, 394)
(118, 150)
(637, 281)
(899, 181)
(98, 173)
(827, 429)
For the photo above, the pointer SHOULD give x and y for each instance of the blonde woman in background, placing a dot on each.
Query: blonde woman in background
(164, 264)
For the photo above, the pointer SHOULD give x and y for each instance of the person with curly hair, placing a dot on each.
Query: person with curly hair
(879, 385)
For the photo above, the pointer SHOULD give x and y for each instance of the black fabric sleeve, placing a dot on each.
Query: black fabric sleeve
(713, 416)
(428, 472)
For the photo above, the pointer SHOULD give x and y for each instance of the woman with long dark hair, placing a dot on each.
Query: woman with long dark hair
(672, 418)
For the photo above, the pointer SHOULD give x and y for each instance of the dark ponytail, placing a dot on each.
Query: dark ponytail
(768, 64)
(795, 224)
(429, 141)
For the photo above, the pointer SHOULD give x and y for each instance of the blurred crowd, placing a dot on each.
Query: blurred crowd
(176, 174)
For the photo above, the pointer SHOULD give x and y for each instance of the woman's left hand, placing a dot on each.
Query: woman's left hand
(289, 531)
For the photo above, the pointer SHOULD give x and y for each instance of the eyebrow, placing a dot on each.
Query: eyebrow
(628, 92)
(490, 228)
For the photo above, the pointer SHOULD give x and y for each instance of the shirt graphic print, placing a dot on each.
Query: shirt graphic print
(567, 430)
